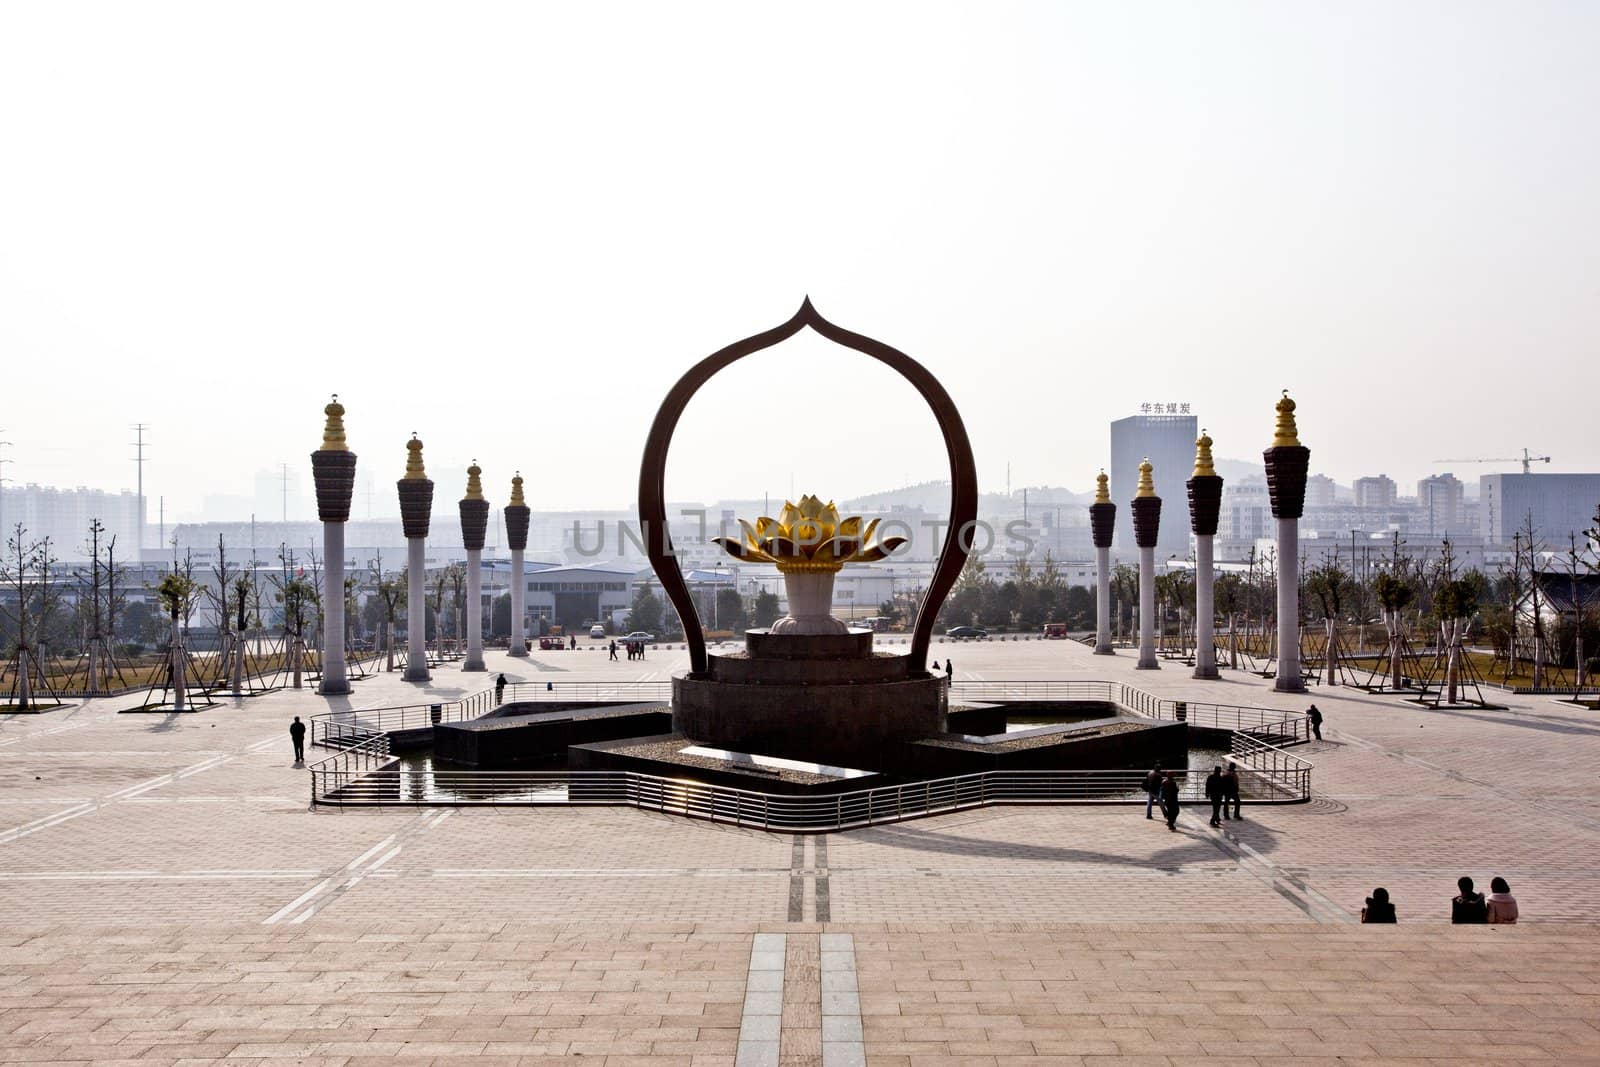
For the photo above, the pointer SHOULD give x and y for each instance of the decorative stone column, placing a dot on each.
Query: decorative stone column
(517, 515)
(1205, 506)
(474, 525)
(333, 467)
(1287, 463)
(1146, 525)
(1102, 524)
(416, 509)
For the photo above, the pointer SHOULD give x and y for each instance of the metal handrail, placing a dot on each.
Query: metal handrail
(808, 813)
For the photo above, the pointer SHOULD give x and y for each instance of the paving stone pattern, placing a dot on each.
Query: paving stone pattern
(167, 894)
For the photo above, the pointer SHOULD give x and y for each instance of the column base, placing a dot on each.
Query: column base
(518, 653)
(474, 665)
(1147, 665)
(1206, 672)
(422, 675)
(1288, 685)
(1104, 650)
(340, 688)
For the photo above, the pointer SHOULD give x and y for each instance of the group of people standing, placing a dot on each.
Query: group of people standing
(1222, 789)
(635, 649)
(1468, 907)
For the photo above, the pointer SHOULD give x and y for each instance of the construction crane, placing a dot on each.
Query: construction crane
(1526, 459)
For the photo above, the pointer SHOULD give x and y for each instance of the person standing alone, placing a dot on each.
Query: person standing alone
(1169, 801)
(1230, 791)
(297, 734)
(1316, 721)
(1216, 792)
(1152, 789)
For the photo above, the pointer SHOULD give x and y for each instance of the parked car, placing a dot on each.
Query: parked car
(967, 633)
(1056, 631)
(597, 631)
(552, 643)
(639, 635)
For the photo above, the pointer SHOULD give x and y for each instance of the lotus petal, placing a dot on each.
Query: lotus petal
(764, 526)
(752, 536)
(831, 513)
(737, 549)
(839, 547)
(779, 547)
(850, 527)
(808, 535)
(873, 553)
(810, 507)
(789, 515)
(872, 528)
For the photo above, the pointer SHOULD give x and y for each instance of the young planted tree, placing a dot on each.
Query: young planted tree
(1227, 594)
(230, 641)
(25, 570)
(457, 574)
(1533, 560)
(176, 595)
(93, 607)
(392, 596)
(1454, 602)
(298, 599)
(1330, 586)
(1125, 588)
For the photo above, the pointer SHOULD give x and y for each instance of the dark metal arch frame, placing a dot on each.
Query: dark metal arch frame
(963, 475)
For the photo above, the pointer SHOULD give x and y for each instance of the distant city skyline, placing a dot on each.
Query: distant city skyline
(512, 233)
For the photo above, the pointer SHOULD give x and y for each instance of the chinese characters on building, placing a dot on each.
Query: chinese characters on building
(1164, 409)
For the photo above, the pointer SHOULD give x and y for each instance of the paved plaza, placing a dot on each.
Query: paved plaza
(167, 894)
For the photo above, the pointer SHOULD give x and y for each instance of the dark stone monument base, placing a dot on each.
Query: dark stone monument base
(832, 723)
(662, 756)
(1099, 744)
(510, 740)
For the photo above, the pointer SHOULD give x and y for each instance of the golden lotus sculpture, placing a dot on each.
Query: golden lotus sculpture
(809, 543)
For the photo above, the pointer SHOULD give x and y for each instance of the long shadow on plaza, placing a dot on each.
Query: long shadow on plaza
(1190, 847)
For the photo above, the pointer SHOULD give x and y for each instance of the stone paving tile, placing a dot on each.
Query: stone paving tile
(426, 934)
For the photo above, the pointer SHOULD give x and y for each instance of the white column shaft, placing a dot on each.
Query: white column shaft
(335, 682)
(1289, 680)
(519, 592)
(474, 610)
(1147, 610)
(1205, 609)
(416, 612)
(1102, 601)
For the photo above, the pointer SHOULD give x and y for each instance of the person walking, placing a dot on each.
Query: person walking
(1216, 793)
(1378, 909)
(1152, 789)
(297, 734)
(1501, 904)
(612, 648)
(574, 645)
(949, 668)
(500, 690)
(1316, 721)
(1468, 907)
(1169, 801)
(1230, 791)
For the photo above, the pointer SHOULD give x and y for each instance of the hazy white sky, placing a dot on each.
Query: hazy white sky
(511, 227)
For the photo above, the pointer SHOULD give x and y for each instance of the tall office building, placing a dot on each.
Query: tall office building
(1168, 442)
(1560, 504)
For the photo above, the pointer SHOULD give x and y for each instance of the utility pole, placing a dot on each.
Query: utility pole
(138, 461)
(3, 480)
(285, 483)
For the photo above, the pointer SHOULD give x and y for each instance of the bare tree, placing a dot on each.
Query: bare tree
(1331, 586)
(392, 593)
(177, 595)
(26, 570)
